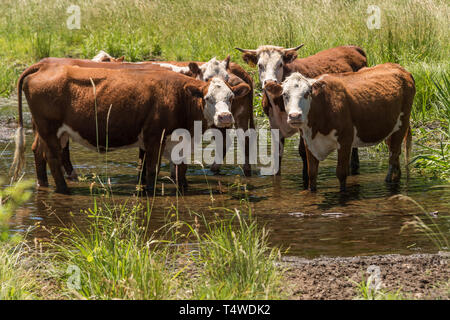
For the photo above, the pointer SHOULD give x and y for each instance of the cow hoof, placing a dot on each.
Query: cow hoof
(73, 177)
(63, 191)
(42, 184)
(215, 168)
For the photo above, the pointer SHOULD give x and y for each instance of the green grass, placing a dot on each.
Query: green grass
(118, 258)
(414, 34)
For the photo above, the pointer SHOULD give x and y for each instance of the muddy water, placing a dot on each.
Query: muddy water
(361, 222)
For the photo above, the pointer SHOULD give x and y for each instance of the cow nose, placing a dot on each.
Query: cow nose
(269, 80)
(225, 118)
(295, 116)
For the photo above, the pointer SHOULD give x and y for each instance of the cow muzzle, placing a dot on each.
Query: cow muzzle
(224, 120)
(266, 81)
(295, 119)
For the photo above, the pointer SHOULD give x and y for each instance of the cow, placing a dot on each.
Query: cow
(345, 111)
(106, 109)
(277, 63)
(102, 56)
(242, 108)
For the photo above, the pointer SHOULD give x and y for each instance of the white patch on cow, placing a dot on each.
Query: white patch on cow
(65, 131)
(358, 143)
(101, 56)
(297, 97)
(322, 145)
(270, 64)
(178, 69)
(217, 101)
(214, 69)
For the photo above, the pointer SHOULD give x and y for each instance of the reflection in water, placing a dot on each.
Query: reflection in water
(361, 221)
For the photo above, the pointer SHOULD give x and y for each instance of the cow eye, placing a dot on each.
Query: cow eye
(307, 95)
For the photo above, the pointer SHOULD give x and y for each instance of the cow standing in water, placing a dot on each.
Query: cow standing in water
(354, 109)
(134, 107)
(276, 64)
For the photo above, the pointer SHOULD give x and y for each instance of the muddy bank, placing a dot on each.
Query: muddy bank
(418, 276)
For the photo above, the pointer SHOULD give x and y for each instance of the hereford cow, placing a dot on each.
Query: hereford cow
(241, 108)
(276, 64)
(140, 108)
(234, 74)
(355, 109)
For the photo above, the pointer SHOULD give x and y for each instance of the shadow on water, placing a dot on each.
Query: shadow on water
(361, 221)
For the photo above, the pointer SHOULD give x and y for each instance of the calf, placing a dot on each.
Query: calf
(129, 107)
(354, 109)
(276, 64)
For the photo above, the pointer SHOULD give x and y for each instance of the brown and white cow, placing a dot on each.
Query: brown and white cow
(234, 74)
(355, 109)
(277, 63)
(140, 107)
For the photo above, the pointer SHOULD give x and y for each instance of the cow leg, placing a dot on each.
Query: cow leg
(215, 167)
(39, 161)
(313, 169)
(153, 155)
(354, 162)
(178, 173)
(67, 164)
(142, 163)
(343, 164)
(54, 153)
(394, 143)
(280, 156)
(244, 123)
(302, 152)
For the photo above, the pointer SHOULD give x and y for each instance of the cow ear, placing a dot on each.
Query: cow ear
(273, 89)
(240, 90)
(194, 90)
(120, 59)
(195, 69)
(250, 58)
(290, 55)
(317, 87)
(226, 62)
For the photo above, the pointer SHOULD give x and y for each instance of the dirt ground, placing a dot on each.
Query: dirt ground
(418, 276)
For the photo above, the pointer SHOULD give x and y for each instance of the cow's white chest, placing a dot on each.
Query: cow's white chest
(66, 131)
(322, 145)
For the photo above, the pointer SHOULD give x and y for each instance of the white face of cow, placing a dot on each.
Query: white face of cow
(214, 68)
(297, 98)
(270, 66)
(217, 109)
(270, 61)
(297, 95)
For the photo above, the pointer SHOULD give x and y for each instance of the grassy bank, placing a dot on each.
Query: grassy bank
(116, 256)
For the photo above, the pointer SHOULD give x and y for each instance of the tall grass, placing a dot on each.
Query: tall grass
(117, 257)
(413, 33)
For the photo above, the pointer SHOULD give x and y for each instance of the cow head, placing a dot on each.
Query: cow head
(297, 92)
(270, 61)
(212, 68)
(102, 56)
(217, 96)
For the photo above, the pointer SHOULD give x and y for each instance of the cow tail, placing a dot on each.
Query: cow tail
(408, 145)
(19, 138)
